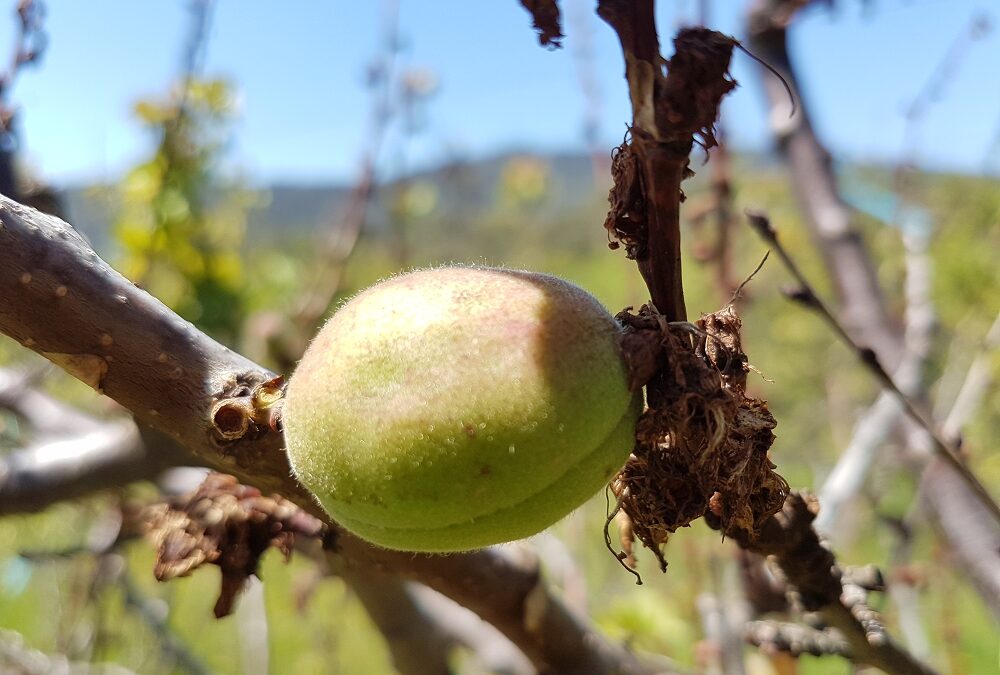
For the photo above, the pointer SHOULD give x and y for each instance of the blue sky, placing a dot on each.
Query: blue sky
(299, 67)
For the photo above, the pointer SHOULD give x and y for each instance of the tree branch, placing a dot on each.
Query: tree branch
(806, 294)
(67, 454)
(812, 570)
(61, 300)
(669, 113)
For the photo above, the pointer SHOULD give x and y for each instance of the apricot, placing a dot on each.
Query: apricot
(454, 408)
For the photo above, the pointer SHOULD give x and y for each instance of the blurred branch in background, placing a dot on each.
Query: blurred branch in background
(582, 49)
(805, 293)
(17, 657)
(64, 454)
(874, 428)
(29, 47)
(715, 212)
(852, 271)
(716, 207)
(828, 218)
(285, 336)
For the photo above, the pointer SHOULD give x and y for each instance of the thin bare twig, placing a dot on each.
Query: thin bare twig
(806, 295)
(848, 475)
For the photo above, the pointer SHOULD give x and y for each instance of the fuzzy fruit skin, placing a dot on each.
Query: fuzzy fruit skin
(455, 408)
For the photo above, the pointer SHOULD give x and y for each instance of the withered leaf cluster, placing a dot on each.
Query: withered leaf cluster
(702, 444)
(227, 524)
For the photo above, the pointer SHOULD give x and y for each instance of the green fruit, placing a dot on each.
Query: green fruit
(454, 408)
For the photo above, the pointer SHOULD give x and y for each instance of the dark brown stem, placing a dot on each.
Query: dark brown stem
(670, 112)
(661, 267)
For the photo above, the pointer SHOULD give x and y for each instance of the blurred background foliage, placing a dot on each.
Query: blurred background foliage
(184, 226)
(180, 230)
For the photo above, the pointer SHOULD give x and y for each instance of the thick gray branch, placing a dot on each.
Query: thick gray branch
(60, 299)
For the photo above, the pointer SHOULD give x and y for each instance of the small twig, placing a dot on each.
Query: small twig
(621, 557)
(718, 208)
(546, 20)
(739, 289)
(774, 71)
(811, 568)
(807, 296)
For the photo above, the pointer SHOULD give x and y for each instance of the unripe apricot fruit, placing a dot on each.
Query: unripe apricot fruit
(454, 408)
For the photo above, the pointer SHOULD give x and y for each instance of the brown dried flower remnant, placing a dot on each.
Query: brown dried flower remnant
(626, 221)
(545, 18)
(702, 446)
(226, 524)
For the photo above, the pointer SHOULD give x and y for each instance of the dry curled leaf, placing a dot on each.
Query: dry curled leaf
(227, 524)
(626, 221)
